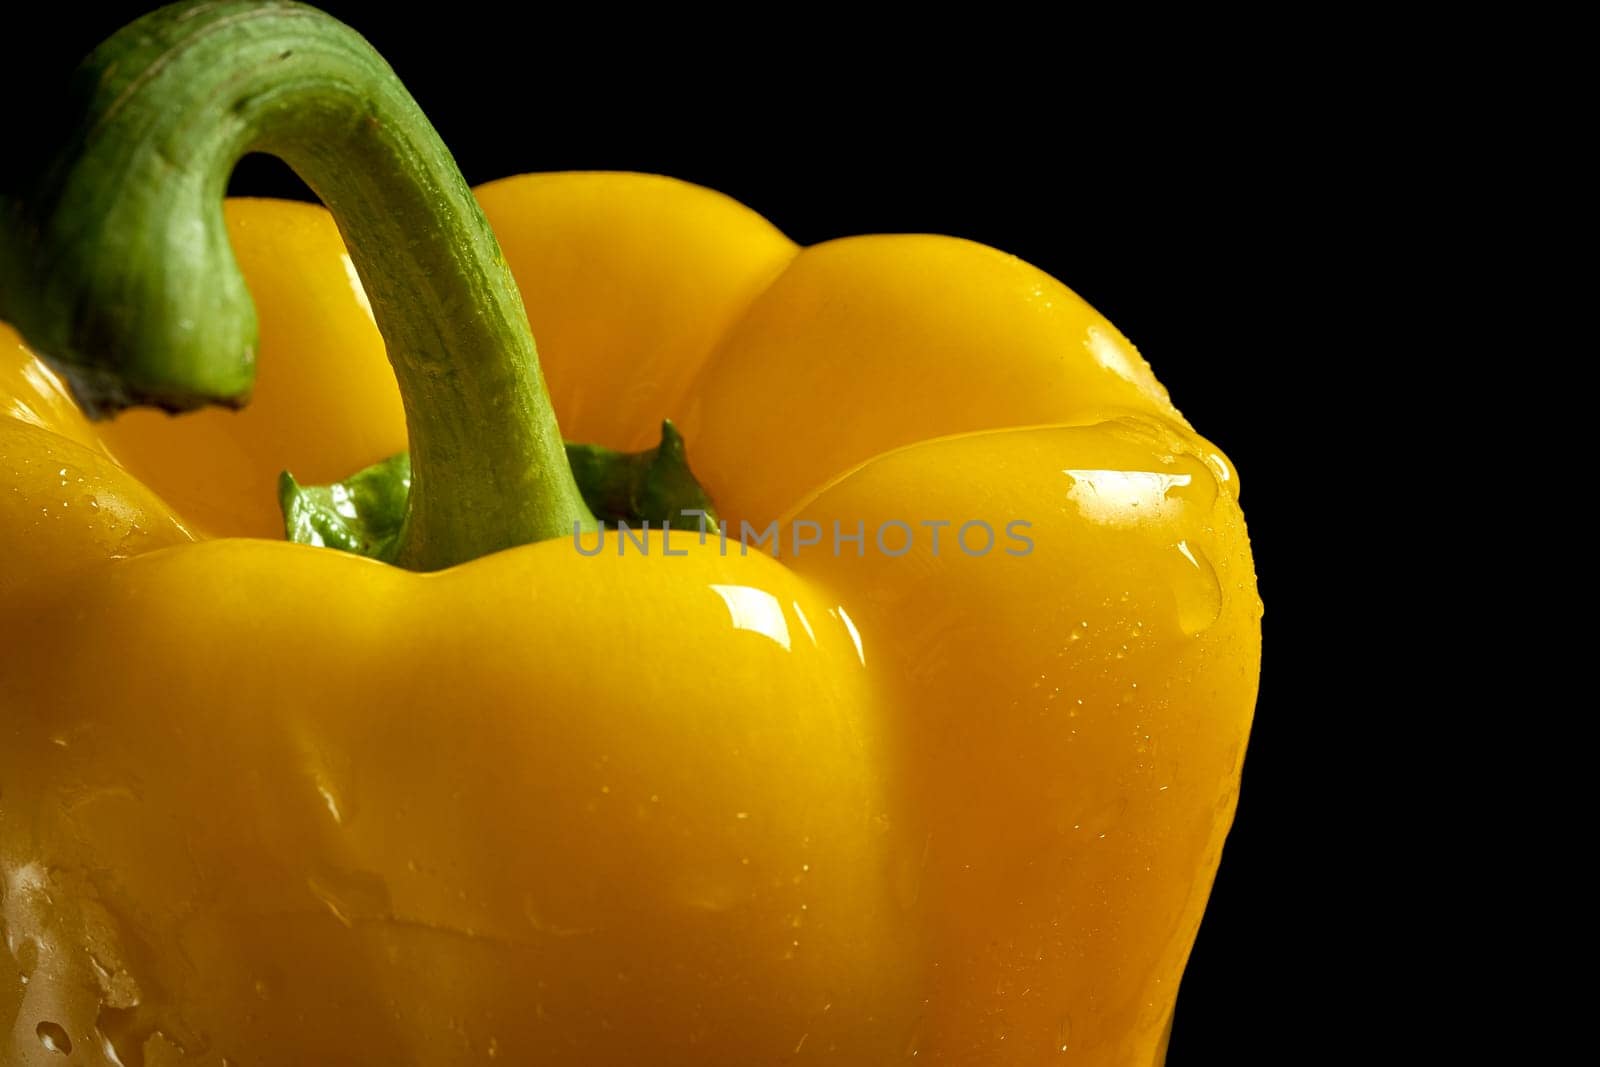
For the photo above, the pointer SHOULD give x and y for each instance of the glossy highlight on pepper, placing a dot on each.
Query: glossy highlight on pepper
(267, 803)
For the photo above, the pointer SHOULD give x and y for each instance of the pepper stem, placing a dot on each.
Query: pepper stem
(118, 268)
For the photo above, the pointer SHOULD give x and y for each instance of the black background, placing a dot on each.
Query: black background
(1180, 201)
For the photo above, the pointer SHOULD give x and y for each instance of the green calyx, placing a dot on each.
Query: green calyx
(654, 486)
(117, 266)
(364, 514)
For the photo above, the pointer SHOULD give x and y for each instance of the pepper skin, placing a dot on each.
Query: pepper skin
(263, 803)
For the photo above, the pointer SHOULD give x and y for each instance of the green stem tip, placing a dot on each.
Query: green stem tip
(118, 268)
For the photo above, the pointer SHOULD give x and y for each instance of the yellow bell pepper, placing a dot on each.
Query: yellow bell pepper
(264, 803)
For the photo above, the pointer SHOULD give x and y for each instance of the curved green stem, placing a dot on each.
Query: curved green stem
(120, 271)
